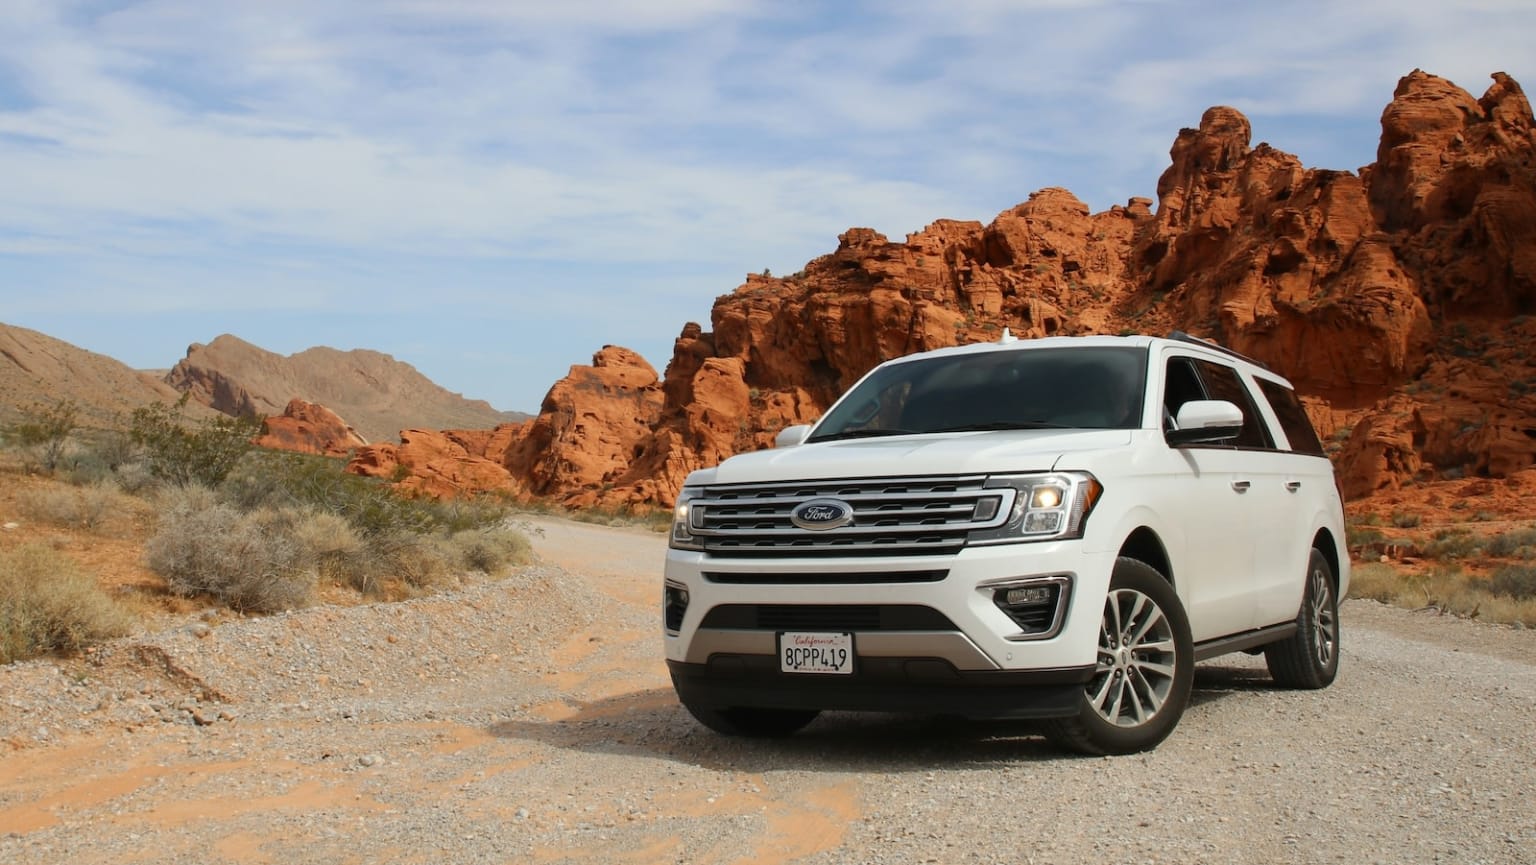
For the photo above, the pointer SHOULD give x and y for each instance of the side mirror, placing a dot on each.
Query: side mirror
(1206, 421)
(790, 436)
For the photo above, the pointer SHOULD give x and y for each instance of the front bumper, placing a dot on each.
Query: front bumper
(924, 685)
(927, 633)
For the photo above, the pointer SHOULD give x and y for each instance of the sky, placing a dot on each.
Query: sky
(492, 190)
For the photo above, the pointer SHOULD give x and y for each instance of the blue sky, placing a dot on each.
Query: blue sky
(491, 191)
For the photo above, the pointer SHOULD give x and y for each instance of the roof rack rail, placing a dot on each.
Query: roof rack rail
(1181, 336)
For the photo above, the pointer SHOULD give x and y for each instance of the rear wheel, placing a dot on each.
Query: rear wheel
(1309, 659)
(751, 721)
(1145, 667)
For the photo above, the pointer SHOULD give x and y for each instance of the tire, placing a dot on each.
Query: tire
(1309, 659)
(1146, 665)
(751, 722)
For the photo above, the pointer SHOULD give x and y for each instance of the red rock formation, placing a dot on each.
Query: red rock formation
(309, 428)
(445, 464)
(588, 429)
(1386, 297)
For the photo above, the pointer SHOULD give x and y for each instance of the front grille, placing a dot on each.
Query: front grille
(827, 617)
(802, 578)
(916, 516)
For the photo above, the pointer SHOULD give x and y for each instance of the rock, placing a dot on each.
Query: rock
(309, 428)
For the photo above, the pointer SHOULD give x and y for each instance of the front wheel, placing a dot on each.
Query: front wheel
(1309, 659)
(1145, 668)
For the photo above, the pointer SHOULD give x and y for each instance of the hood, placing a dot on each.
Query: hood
(998, 452)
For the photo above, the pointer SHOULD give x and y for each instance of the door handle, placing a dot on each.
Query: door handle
(1241, 486)
(1293, 486)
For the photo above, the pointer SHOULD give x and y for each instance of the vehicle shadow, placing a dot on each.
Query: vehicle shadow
(652, 724)
(1215, 682)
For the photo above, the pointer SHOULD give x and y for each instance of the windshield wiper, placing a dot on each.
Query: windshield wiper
(1001, 424)
(861, 434)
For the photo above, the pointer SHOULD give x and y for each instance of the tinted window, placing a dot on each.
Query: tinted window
(1087, 387)
(1293, 418)
(1222, 382)
(1181, 385)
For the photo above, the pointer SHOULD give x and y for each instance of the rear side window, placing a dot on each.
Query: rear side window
(1293, 419)
(1222, 382)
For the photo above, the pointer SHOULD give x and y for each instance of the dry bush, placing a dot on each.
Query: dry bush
(338, 553)
(88, 507)
(251, 562)
(48, 605)
(1520, 543)
(491, 551)
(1443, 588)
(1516, 581)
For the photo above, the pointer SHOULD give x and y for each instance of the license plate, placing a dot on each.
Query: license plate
(805, 652)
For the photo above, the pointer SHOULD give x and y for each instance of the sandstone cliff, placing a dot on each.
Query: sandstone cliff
(1397, 300)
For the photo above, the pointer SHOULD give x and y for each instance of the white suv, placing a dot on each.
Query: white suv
(1054, 529)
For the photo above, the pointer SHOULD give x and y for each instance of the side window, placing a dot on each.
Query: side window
(1222, 382)
(1181, 385)
(1293, 419)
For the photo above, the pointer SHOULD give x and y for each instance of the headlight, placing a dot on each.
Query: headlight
(685, 516)
(1047, 508)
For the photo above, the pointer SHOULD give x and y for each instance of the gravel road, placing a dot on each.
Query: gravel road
(530, 720)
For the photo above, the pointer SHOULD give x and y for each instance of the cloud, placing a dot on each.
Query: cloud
(168, 154)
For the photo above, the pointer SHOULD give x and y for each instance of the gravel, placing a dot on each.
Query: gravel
(531, 720)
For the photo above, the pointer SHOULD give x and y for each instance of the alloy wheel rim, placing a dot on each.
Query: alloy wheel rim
(1325, 622)
(1137, 660)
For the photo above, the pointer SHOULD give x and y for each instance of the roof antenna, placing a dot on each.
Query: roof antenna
(1007, 337)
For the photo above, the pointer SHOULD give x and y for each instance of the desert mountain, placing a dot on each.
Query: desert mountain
(376, 394)
(1397, 299)
(38, 369)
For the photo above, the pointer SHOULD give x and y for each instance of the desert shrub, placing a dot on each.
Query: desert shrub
(423, 563)
(1359, 536)
(1520, 542)
(1453, 544)
(491, 551)
(1516, 581)
(48, 605)
(181, 453)
(75, 507)
(338, 554)
(1405, 520)
(1375, 580)
(251, 562)
(44, 431)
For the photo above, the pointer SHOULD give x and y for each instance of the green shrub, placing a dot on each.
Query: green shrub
(1405, 520)
(48, 605)
(1516, 581)
(251, 562)
(183, 454)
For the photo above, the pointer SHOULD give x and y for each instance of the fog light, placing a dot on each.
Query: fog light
(674, 605)
(1029, 596)
(1037, 605)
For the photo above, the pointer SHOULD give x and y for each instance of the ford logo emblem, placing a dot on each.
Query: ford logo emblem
(818, 515)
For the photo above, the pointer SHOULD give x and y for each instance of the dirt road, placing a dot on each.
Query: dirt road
(531, 721)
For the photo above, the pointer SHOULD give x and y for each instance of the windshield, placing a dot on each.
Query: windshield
(1078, 387)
